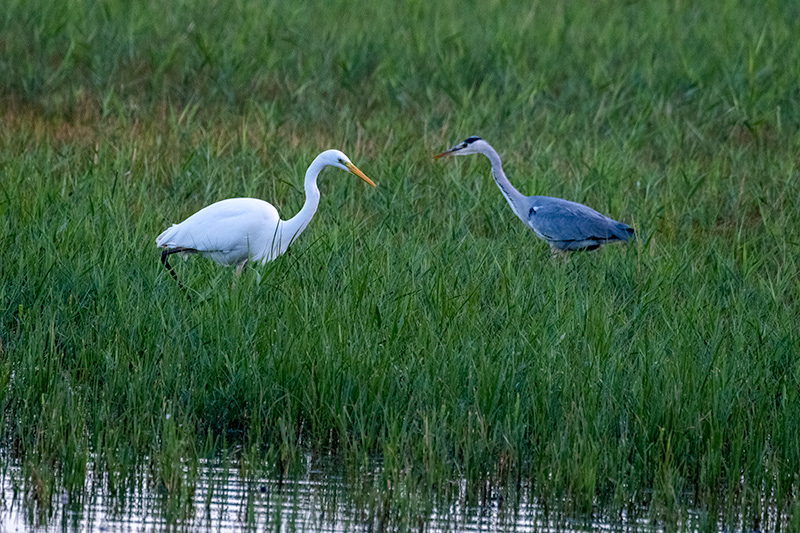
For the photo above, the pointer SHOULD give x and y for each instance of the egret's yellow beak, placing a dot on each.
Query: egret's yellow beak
(444, 154)
(352, 168)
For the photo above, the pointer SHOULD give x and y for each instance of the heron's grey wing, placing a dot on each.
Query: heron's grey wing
(572, 224)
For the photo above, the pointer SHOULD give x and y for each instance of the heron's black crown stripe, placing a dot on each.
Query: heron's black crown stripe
(470, 140)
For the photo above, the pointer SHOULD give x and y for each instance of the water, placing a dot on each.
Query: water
(220, 499)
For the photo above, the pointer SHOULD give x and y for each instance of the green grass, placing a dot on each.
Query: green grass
(420, 323)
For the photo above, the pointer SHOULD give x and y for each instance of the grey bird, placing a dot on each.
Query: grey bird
(566, 226)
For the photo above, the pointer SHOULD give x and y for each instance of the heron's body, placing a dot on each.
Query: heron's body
(237, 230)
(570, 226)
(564, 225)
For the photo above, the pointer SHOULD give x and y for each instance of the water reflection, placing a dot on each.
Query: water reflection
(221, 499)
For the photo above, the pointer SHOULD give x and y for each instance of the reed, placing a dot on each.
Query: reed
(419, 323)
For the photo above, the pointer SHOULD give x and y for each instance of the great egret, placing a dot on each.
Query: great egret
(564, 225)
(237, 230)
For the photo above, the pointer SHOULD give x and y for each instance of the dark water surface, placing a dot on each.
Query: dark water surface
(220, 499)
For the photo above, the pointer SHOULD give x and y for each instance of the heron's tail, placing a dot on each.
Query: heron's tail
(626, 233)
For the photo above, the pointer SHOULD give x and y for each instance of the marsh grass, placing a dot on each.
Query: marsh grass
(418, 323)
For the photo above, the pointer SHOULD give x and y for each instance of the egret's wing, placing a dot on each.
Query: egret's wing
(555, 219)
(227, 226)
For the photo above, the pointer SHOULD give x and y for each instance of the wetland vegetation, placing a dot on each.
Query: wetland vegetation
(418, 324)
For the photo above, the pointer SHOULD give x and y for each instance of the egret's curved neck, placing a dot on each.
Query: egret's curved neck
(514, 197)
(292, 228)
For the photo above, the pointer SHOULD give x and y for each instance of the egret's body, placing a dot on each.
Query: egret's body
(231, 232)
(237, 230)
(564, 225)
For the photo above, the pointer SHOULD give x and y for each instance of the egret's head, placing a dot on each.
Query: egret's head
(335, 158)
(470, 145)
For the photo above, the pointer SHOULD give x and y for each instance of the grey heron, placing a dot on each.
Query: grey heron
(566, 226)
(237, 230)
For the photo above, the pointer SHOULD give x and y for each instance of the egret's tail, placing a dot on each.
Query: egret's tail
(163, 240)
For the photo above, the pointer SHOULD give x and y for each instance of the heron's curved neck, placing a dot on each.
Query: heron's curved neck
(512, 195)
(292, 228)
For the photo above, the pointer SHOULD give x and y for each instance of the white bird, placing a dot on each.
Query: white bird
(237, 230)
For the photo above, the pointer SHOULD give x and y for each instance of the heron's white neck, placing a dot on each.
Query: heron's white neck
(514, 197)
(289, 230)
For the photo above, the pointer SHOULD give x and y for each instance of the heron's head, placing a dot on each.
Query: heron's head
(470, 145)
(335, 158)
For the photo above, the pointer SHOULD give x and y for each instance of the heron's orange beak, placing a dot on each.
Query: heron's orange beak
(443, 154)
(353, 169)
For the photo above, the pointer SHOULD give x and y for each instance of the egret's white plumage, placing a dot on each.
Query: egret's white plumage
(230, 232)
(237, 230)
